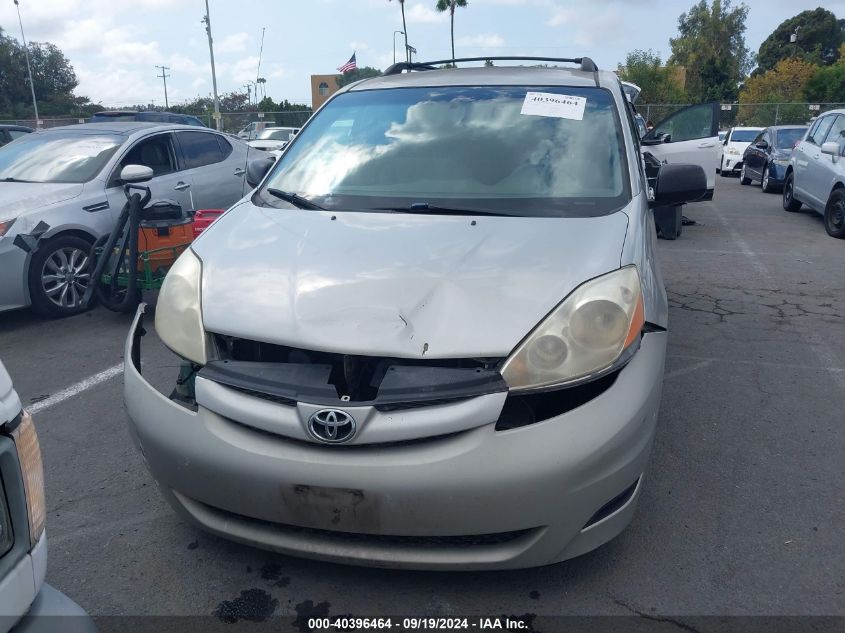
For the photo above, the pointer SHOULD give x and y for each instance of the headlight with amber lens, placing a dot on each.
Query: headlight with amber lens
(32, 469)
(584, 336)
(178, 312)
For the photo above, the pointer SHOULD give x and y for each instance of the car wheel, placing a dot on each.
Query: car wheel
(743, 179)
(834, 214)
(59, 274)
(767, 183)
(789, 202)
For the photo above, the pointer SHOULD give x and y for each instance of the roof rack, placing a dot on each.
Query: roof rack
(587, 64)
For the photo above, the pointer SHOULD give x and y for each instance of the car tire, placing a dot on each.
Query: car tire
(766, 183)
(743, 179)
(59, 272)
(834, 215)
(790, 203)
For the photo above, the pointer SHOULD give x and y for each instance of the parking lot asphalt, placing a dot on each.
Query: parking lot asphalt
(742, 510)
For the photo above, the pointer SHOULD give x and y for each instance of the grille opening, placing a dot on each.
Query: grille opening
(524, 409)
(354, 378)
(613, 505)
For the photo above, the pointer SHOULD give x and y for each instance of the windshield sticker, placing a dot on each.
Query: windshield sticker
(552, 105)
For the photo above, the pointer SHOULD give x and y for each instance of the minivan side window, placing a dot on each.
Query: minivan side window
(200, 149)
(820, 130)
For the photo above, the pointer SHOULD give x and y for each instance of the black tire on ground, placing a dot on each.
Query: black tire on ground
(743, 179)
(724, 173)
(834, 214)
(59, 272)
(766, 181)
(789, 202)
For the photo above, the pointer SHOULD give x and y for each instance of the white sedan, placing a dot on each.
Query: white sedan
(271, 138)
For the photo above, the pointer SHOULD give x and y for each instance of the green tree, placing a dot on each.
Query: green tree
(53, 78)
(785, 83)
(711, 46)
(449, 5)
(819, 36)
(359, 73)
(659, 83)
(827, 85)
(404, 27)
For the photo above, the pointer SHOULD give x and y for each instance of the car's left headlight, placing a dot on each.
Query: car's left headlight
(590, 332)
(178, 311)
(783, 162)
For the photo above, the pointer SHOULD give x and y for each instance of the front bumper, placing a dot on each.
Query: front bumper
(14, 292)
(732, 163)
(477, 498)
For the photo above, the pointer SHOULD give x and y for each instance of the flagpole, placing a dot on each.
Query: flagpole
(28, 67)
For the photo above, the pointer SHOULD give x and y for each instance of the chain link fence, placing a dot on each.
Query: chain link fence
(231, 122)
(747, 114)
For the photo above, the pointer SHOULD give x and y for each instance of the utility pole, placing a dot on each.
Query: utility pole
(164, 79)
(258, 70)
(28, 67)
(207, 21)
(248, 87)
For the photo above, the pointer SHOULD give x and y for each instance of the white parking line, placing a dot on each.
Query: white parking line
(76, 389)
(687, 370)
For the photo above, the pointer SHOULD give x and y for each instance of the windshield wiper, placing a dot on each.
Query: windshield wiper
(425, 207)
(10, 179)
(294, 199)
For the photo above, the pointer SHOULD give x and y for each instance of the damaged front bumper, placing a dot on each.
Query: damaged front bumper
(472, 498)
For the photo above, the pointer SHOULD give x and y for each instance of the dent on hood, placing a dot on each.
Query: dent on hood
(408, 286)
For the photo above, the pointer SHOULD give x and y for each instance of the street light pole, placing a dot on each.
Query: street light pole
(207, 21)
(28, 67)
(394, 44)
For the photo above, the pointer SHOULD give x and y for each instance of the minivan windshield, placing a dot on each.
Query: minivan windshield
(57, 157)
(461, 147)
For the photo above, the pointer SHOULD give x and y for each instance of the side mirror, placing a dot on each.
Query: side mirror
(679, 183)
(831, 148)
(761, 145)
(136, 173)
(256, 170)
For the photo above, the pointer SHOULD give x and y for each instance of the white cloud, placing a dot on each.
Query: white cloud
(423, 13)
(198, 83)
(483, 40)
(234, 43)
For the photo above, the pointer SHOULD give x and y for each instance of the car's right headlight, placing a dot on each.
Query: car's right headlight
(178, 311)
(733, 150)
(588, 334)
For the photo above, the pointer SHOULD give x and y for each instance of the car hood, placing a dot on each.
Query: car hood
(266, 144)
(399, 285)
(16, 198)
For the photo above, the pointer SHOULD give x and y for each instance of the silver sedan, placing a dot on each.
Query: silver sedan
(60, 190)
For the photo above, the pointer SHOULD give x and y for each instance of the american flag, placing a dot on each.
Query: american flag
(350, 65)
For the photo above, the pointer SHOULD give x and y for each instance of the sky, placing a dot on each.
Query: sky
(115, 45)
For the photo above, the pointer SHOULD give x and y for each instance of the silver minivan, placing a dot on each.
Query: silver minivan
(434, 334)
(815, 175)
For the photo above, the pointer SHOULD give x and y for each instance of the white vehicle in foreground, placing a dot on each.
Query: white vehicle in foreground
(271, 138)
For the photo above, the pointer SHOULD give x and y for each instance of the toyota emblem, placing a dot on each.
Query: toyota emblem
(332, 426)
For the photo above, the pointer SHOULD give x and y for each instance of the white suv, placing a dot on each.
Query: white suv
(815, 175)
(733, 147)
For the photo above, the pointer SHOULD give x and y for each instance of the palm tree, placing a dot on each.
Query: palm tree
(443, 5)
(404, 28)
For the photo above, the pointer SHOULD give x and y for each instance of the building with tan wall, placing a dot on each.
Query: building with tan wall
(322, 87)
